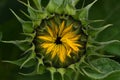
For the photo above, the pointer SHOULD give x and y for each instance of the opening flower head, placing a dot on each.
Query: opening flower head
(60, 41)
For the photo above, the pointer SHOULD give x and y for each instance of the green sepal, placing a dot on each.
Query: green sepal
(30, 36)
(72, 66)
(36, 15)
(20, 61)
(21, 44)
(52, 71)
(53, 5)
(39, 68)
(38, 4)
(69, 9)
(31, 57)
(107, 42)
(93, 32)
(61, 7)
(30, 10)
(101, 45)
(94, 21)
(26, 15)
(73, 2)
(31, 49)
(36, 23)
(93, 46)
(97, 55)
(80, 64)
(26, 25)
(106, 67)
(82, 14)
(62, 72)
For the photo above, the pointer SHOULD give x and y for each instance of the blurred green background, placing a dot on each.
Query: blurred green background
(108, 10)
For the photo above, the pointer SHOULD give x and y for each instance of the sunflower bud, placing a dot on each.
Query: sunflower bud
(59, 39)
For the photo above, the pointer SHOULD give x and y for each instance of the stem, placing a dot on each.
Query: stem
(62, 77)
(52, 76)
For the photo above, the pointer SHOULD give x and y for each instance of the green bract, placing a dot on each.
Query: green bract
(92, 63)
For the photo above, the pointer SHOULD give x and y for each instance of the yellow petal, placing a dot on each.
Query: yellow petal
(55, 28)
(72, 45)
(62, 54)
(50, 31)
(69, 52)
(66, 30)
(68, 35)
(77, 45)
(46, 45)
(50, 48)
(55, 51)
(61, 28)
(75, 38)
(46, 38)
(56, 31)
(68, 49)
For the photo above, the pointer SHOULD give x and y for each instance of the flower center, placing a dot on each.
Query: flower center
(58, 40)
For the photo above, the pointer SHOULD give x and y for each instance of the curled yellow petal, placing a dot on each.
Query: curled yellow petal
(46, 38)
(50, 31)
(61, 28)
(62, 53)
(66, 30)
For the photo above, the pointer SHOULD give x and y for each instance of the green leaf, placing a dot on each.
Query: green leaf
(81, 77)
(113, 76)
(113, 48)
(101, 68)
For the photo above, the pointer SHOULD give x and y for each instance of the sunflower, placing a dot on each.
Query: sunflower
(60, 41)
